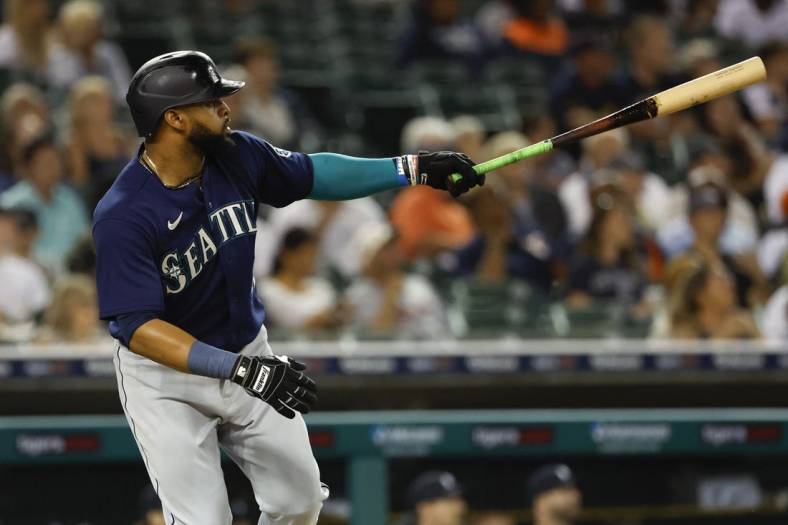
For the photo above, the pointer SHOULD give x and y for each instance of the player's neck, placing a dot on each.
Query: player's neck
(174, 164)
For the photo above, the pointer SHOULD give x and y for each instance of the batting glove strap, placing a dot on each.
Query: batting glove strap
(277, 380)
(408, 167)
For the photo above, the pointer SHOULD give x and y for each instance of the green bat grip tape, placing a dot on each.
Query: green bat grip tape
(493, 164)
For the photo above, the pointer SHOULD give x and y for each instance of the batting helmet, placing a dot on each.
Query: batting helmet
(171, 80)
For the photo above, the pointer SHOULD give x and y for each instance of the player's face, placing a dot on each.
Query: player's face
(561, 505)
(209, 124)
(444, 511)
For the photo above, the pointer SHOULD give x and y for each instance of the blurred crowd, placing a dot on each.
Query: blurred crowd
(678, 225)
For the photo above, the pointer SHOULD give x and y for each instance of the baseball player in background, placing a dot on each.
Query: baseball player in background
(175, 246)
(555, 496)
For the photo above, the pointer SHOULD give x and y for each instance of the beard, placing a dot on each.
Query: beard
(210, 142)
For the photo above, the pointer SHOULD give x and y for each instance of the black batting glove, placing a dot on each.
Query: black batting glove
(436, 169)
(278, 380)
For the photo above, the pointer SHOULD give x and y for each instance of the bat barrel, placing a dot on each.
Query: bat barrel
(708, 87)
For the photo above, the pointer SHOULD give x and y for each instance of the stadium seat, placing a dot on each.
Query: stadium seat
(485, 310)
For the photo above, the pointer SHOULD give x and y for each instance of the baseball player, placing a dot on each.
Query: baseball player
(175, 246)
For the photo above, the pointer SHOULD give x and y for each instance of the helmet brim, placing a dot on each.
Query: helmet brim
(225, 88)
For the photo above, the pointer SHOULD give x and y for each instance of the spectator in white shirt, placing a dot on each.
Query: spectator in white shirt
(293, 296)
(387, 301)
(335, 224)
(753, 22)
(25, 39)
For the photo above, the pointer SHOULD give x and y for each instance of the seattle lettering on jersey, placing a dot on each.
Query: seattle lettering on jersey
(228, 223)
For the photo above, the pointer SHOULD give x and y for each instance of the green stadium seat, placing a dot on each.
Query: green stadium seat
(492, 310)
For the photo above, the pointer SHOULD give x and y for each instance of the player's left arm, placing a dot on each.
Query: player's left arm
(339, 177)
(279, 177)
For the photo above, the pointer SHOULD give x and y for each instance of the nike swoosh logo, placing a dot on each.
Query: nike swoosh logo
(174, 224)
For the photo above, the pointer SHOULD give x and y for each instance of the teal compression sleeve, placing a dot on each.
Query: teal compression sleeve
(339, 177)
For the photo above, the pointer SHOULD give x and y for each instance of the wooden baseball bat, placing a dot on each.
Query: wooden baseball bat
(683, 96)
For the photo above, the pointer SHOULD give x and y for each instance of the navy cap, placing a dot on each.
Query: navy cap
(707, 195)
(548, 478)
(433, 485)
(628, 160)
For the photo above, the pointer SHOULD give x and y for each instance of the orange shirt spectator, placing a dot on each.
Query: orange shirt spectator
(536, 29)
(546, 38)
(429, 222)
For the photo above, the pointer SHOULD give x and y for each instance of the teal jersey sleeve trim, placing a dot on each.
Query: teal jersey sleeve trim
(339, 177)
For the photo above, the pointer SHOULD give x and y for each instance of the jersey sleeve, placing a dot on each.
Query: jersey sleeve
(280, 177)
(127, 278)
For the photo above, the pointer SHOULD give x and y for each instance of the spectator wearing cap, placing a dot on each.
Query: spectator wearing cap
(554, 495)
(296, 299)
(388, 301)
(61, 214)
(81, 50)
(25, 289)
(436, 499)
(741, 229)
(707, 211)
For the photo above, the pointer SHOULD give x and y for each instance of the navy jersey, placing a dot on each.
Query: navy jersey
(186, 254)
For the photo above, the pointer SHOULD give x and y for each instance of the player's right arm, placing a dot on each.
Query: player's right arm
(164, 343)
(131, 297)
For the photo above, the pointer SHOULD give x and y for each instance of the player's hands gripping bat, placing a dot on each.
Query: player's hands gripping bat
(278, 380)
(435, 169)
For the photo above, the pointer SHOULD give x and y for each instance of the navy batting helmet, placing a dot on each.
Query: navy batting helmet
(171, 80)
